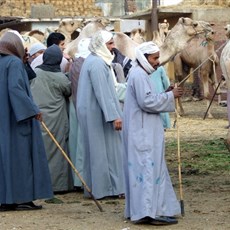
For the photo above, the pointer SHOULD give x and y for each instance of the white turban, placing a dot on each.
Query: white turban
(146, 48)
(106, 36)
(98, 45)
(83, 48)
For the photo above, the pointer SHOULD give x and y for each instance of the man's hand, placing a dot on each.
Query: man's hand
(38, 117)
(177, 92)
(117, 124)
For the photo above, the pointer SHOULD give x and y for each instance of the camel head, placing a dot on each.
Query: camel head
(227, 28)
(163, 28)
(38, 35)
(194, 27)
(68, 26)
(104, 21)
(209, 36)
(138, 35)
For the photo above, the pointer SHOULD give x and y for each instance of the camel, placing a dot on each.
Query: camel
(88, 31)
(39, 35)
(225, 68)
(27, 40)
(180, 34)
(138, 35)
(198, 52)
(184, 30)
(163, 29)
(67, 26)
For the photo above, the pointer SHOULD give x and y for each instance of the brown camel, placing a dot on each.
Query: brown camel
(176, 40)
(225, 67)
(199, 52)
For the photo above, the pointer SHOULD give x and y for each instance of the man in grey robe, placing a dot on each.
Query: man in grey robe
(51, 90)
(99, 116)
(149, 193)
(24, 173)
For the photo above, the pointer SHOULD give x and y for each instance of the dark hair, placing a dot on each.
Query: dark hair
(54, 38)
(146, 56)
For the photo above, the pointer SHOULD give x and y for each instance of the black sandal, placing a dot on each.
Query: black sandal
(8, 207)
(27, 206)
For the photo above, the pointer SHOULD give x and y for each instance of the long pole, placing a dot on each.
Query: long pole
(71, 164)
(179, 159)
(154, 16)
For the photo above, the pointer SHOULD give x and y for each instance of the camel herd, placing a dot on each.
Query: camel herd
(189, 45)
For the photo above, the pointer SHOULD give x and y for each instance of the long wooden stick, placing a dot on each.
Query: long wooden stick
(179, 160)
(71, 164)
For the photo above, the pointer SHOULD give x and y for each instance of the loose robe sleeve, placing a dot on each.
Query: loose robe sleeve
(19, 93)
(147, 99)
(64, 85)
(104, 89)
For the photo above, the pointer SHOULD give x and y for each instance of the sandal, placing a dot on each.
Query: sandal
(121, 196)
(27, 206)
(8, 207)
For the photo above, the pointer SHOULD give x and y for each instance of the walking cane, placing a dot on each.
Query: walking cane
(214, 94)
(179, 161)
(71, 164)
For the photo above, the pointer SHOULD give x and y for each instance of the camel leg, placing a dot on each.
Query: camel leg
(205, 79)
(228, 108)
(181, 111)
(196, 93)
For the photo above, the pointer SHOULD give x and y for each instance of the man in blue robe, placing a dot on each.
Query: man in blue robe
(24, 173)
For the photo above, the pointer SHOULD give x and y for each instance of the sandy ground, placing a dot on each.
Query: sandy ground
(206, 197)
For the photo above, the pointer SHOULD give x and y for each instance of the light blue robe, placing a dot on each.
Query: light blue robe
(161, 83)
(149, 190)
(24, 173)
(97, 108)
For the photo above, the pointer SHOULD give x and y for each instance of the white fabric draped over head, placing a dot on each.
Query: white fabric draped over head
(98, 46)
(83, 48)
(146, 48)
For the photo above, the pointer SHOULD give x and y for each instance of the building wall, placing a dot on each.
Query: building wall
(49, 8)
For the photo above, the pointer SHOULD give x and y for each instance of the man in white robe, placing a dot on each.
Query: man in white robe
(149, 193)
(99, 116)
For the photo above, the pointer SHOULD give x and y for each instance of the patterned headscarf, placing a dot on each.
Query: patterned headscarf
(98, 46)
(146, 48)
(11, 44)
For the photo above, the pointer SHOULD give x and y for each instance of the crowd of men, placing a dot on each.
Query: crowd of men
(106, 112)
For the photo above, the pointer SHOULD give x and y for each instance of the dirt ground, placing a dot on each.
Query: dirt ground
(206, 197)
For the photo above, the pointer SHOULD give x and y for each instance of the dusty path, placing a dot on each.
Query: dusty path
(206, 197)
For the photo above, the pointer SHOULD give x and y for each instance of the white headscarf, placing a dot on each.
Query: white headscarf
(36, 47)
(83, 48)
(146, 48)
(98, 45)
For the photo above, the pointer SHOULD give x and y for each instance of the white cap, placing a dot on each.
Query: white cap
(36, 48)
